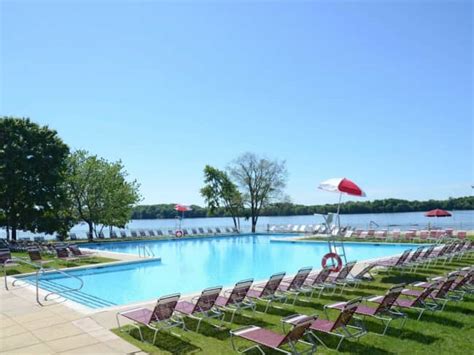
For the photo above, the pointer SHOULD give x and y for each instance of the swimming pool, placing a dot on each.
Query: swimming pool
(190, 265)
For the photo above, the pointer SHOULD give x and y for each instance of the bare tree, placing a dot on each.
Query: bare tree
(262, 181)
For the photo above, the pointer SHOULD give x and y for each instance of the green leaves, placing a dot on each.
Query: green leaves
(220, 191)
(99, 191)
(32, 172)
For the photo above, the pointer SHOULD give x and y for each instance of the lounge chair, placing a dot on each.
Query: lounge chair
(236, 299)
(268, 292)
(202, 307)
(339, 327)
(218, 230)
(272, 340)
(123, 234)
(317, 282)
(295, 286)
(113, 235)
(395, 235)
(342, 278)
(201, 231)
(151, 233)
(364, 274)
(194, 231)
(163, 316)
(159, 233)
(35, 257)
(63, 254)
(72, 236)
(395, 262)
(414, 260)
(418, 303)
(383, 311)
(440, 293)
(76, 252)
(134, 234)
(348, 234)
(210, 231)
(381, 235)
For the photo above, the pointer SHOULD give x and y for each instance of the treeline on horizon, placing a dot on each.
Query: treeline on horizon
(289, 209)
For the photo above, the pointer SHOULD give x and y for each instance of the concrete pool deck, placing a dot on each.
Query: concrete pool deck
(28, 328)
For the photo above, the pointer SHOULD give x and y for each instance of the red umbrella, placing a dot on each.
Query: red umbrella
(438, 213)
(182, 208)
(343, 186)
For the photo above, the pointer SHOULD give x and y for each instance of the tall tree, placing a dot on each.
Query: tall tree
(32, 173)
(220, 191)
(261, 180)
(99, 191)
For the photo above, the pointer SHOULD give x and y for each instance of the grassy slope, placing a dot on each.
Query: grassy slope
(450, 331)
(55, 263)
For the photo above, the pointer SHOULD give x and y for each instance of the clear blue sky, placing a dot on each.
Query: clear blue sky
(380, 92)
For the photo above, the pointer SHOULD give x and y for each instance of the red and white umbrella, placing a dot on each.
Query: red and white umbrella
(182, 208)
(438, 213)
(343, 186)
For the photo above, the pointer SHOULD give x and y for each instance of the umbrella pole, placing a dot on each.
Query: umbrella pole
(338, 209)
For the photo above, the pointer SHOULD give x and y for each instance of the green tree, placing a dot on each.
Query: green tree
(220, 191)
(32, 172)
(100, 194)
(261, 180)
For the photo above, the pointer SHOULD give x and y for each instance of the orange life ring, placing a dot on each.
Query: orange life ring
(334, 256)
(178, 233)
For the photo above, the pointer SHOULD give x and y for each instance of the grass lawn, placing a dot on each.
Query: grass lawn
(447, 332)
(55, 263)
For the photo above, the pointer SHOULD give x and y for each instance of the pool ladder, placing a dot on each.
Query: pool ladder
(145, 252)
(41, 271)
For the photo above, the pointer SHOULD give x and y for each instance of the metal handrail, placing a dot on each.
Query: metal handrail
(57, 292)
(147, 252)
(14, 260)
(37, 278)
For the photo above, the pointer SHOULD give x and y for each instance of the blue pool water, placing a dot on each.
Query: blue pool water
(188, 266)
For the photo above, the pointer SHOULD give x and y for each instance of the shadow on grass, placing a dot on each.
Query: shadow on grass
(435, 318)
(403, 278)
(276, 310)
(350, 346)
(207, 329)
(372, 287)
(166, 341)
(457, 309)
(241, 319)
(395, 332)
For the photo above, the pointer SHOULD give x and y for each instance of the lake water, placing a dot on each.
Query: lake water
(408, 220)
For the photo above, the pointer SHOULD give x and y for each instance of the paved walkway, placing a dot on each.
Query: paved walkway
(28, 328)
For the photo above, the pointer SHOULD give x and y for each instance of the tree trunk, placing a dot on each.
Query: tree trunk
(254, 225)
(8, 232)
(90, 236)
(13, 233)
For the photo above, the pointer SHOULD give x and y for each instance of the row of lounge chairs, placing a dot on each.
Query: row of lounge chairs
(304, 228)
(420, 297)
(436, 235)
(170, 232)
(62, 252)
